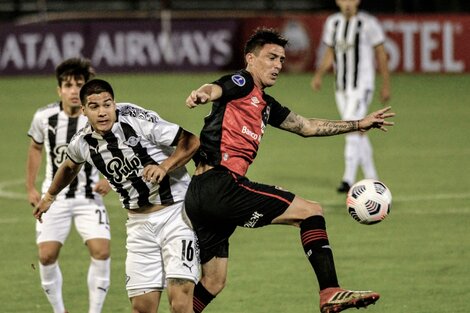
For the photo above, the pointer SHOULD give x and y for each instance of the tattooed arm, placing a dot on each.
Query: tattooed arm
(310, 127)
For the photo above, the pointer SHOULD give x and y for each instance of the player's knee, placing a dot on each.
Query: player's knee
(100, 255)
(47, 259)
(313, 208)
(214, 284)
(181, 304)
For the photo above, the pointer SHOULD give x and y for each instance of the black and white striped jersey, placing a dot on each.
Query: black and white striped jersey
(353, 42)
(138, 137)
(54, 129)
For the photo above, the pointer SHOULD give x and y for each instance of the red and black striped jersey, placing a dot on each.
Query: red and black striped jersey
(233, 130)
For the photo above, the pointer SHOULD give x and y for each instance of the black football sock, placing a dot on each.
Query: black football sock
(201, 298)
(317, 248)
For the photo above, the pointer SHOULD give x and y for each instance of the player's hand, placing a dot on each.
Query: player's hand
(197, 97)
(102, 187)
(154, 173)
(33, 197)
(316, 83)
(42, 207)
(377, 119)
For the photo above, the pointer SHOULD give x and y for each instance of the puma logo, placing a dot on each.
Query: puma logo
(190, 267)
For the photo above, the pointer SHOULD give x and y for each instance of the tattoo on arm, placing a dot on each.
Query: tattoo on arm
(331, 128)
(293, 123)
(316, 127)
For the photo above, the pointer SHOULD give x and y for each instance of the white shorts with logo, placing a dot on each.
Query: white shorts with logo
(160, 245)
(353, 105)
(89, 216)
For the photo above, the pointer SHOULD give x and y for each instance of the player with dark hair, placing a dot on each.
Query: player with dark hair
(51, 130)
(354, 39)
(143, 157)
(220, 197)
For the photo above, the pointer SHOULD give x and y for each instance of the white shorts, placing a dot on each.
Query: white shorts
(90, 218)
(353, 105)
(160, 245)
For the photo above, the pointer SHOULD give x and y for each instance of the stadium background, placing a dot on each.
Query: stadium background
(417, 258)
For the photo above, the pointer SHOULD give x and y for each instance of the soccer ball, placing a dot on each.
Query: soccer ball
(369, 201)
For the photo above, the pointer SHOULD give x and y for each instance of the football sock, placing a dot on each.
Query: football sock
(98, 283)
(367, 159)
(201, 298)
(317, 248)
(51, 281)
(351, 157)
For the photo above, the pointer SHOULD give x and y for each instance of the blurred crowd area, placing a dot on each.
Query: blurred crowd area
(16, 10)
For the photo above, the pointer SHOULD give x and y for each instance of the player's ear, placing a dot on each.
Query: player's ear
(59, 93)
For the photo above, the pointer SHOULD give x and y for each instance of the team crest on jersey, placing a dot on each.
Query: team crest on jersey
(238, 80)
(132, 141)
(59, 154)
(122, 169)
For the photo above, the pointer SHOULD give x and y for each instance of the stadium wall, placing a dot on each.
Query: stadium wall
(418, 43)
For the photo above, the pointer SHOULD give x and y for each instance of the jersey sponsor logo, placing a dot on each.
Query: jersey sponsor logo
(132, 141)
(59, 154)
(254, 101)
(238, 80)
(253, 220)
(121, 169)
(246, 130)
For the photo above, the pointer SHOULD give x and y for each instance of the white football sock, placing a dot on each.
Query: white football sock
(351, 157)
(367, 158)
(98, 283)
(51, 282)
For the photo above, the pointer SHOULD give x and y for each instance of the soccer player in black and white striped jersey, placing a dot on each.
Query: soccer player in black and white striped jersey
(143, 157)
(81, 203)
(353, 40)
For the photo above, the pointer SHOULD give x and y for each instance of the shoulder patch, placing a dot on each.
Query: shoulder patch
(238, 80)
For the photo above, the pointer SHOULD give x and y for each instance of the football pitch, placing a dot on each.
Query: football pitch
(418, 258)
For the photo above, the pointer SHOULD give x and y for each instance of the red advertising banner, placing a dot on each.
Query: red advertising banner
(421, 43)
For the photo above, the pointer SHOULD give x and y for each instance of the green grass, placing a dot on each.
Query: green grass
(418, 258)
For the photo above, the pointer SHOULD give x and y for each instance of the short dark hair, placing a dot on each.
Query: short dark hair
(76, 67)
(262, 36)
(95, 86)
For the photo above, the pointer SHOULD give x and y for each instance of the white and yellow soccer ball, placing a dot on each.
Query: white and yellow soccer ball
(369, 201)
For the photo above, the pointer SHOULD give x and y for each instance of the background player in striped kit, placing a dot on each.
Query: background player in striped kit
(51, 130)
(352, 37)
(143, 157)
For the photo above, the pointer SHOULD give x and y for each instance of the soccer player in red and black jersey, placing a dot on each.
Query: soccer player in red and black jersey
(220, 197)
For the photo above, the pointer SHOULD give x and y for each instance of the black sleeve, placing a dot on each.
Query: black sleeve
(278, 113)
(235, 85)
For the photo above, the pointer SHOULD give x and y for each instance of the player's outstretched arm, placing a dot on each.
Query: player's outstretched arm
(314, 127)
(204, 94)
(63, 177)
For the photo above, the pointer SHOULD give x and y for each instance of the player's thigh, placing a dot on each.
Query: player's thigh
(355, 104)
(56, 223)
(144, 260)
(179, 248)
(299, 210)
(91, 220)
(146, 303)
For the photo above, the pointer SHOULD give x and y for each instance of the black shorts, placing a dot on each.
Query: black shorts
(219, 200)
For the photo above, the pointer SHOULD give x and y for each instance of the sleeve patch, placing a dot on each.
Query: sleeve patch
(238, 80)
